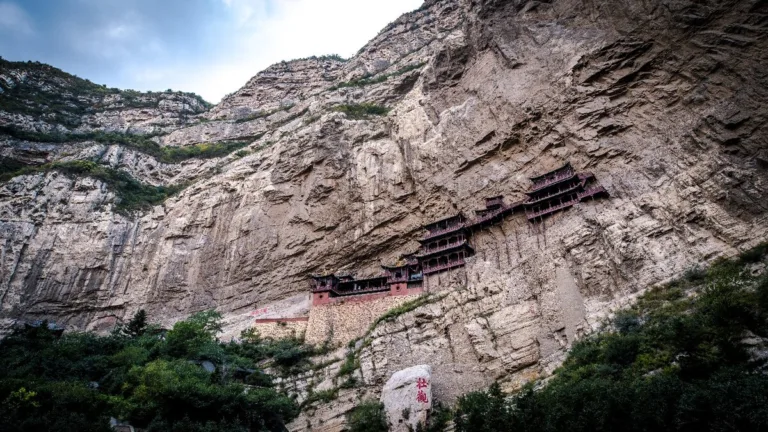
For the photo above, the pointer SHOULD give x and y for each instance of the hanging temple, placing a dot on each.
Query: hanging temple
(447, 242)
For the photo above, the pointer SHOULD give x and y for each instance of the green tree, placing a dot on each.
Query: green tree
(137, 325)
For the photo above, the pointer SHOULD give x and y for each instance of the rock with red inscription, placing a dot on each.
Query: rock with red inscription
(407, 398)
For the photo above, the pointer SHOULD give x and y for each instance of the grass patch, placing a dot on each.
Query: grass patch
(351, 363)
(323, 396)
(368, 79)
(404, 308)
(141, 143)
(361, 111)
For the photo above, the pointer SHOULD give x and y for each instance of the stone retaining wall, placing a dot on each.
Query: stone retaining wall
(343, 322)
(280, 329)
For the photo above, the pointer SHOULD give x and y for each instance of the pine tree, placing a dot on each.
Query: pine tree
(137, 325)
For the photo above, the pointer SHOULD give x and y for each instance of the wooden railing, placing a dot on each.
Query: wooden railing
(552, 209)
(494, 201)
(529, 202)
(397, 279)
(440, 249)
(360, 291)
(444, 231)
(440, 267)
(553, 180)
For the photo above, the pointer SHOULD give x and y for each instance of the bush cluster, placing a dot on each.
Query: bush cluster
(676, 361)
(150, 378)
(361, 111)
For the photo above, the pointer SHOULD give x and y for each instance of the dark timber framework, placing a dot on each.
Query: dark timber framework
(447, 242)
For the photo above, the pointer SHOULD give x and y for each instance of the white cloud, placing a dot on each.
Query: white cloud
(266, 32)
(14, 19)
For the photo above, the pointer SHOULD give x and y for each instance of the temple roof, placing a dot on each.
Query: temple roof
(539, 177)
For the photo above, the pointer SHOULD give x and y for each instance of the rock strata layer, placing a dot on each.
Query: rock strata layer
(663, 101)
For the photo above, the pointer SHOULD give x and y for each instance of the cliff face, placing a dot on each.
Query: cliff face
(662, 100)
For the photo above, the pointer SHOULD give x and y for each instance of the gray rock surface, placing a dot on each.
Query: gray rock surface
(663, 101)
(407, 398)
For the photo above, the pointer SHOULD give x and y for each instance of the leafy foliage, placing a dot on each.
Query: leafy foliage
(676, 361)
(368, 417)
(80, 380)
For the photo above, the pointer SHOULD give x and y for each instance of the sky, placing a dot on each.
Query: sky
(210, 47)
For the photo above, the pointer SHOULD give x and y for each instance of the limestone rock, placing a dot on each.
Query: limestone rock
(407, 398)
(483, 94)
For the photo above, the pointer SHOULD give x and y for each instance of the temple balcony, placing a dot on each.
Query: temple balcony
(449, 246)
(553, 194)
(592, 191)
(393, 279)
(489, 216)
(447, 230)
(552, 181)
(494, 202)
(552, 209)
(449, 265)
(345, 292)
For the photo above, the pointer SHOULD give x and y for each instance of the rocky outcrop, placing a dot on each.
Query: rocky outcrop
(662, 101)
(35, 97)
(407, 398)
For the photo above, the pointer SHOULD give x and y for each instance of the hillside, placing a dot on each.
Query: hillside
(331, 165)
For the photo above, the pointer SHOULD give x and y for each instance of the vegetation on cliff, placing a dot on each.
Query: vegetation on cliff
(131, 194)
(141, 143)
(369, 79)
(52, 95)
(362, 111)
(182, 380)
(689, 356)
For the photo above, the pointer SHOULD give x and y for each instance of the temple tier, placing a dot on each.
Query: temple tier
(447, 242)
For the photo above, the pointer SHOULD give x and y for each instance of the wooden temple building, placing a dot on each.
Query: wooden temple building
(558, 190)
(446, 244)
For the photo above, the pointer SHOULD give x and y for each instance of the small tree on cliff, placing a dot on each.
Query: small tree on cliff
(137, 325)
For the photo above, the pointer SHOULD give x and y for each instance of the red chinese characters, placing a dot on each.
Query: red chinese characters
(258, 312)
(421, 396)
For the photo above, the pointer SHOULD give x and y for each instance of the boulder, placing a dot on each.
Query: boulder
(407, 398)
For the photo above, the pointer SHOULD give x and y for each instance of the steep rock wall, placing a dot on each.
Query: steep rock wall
(661, 100)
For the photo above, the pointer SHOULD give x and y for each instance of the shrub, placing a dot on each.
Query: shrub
(79, 380)
(362, 111)
(675, 361)
(367, 417)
